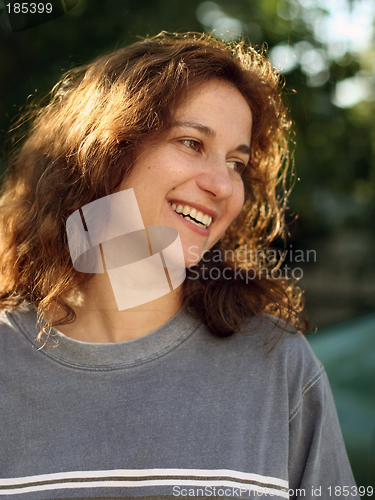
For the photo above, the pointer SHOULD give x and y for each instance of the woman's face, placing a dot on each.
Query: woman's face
(191, 180)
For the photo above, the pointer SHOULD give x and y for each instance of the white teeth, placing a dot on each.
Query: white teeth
(199, 216)
(201, 219)
(196, 223)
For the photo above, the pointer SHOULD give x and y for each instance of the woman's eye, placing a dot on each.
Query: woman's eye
(192, 144)
(237, 166)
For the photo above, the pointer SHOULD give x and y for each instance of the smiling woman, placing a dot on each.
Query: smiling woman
(102, 401)
(197, 168)
(102, 120)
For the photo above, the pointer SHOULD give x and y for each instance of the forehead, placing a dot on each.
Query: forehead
(216, 104)
(210, 89)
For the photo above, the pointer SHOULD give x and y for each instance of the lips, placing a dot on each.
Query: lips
(194, 216)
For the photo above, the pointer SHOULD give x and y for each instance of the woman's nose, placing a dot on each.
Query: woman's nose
(215, 177)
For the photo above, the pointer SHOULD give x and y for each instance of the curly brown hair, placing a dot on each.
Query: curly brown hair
(82, 144)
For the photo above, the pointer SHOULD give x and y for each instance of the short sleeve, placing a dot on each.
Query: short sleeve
(318, 462)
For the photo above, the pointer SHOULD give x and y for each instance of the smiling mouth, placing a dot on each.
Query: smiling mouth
(192, 215)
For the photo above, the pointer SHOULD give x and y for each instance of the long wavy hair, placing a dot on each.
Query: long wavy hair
(81, 144)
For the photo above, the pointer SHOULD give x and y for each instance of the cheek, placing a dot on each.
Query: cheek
(234, 207)
(239, 200)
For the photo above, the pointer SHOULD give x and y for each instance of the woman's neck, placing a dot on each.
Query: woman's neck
(98, 319)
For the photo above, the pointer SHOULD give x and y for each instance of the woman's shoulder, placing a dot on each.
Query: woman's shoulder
(17, 324)
(282, 345)
(269, 351)
(269, 339)
(287, 355)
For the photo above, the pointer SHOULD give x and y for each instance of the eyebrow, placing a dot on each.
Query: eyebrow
(242, 148)
(202, 128)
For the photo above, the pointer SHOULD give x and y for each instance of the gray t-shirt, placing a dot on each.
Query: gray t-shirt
(178, 412)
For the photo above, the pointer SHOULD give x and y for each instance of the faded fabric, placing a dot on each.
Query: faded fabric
(178, 412)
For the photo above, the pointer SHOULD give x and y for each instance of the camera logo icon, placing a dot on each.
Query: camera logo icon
(108, 235)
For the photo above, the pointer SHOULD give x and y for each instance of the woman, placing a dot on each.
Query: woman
(187, 394)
